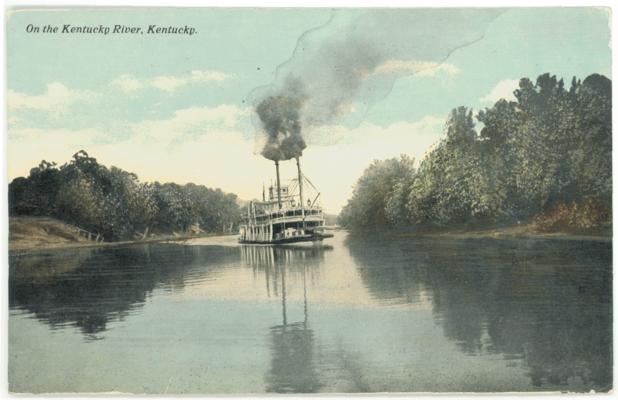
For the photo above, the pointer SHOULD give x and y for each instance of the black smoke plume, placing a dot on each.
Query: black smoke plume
(280, 116)
(340, 69)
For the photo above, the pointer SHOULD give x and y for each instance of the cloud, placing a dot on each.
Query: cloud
(396, 133)
(191, 122)
(28, 146)
(194, 157)
(127, 83)
(221, 159)
(503, 90)
(56, 97)
(169, 83)
(418, 68)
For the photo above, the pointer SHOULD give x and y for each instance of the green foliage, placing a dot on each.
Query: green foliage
(114, 203)
(550, 147)
(367, 208)
(35, 195)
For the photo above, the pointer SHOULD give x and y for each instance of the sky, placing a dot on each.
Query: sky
(181, 108)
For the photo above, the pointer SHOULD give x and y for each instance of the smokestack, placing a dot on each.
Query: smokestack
(300, 188)
(278, 184)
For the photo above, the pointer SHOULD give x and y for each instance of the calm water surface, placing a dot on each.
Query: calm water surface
(368, 314)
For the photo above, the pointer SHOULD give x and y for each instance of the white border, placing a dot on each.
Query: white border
(310, 3)
(256, 3)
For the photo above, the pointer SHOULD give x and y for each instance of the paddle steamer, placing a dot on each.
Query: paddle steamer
(287, 215)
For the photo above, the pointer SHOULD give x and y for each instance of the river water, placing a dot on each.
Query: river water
(357, 314)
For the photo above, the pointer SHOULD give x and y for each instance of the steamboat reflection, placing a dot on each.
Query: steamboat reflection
(292, 365)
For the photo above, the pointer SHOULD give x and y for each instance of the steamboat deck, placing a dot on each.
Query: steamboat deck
(285, 217)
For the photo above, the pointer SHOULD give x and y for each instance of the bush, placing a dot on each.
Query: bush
(589, 215)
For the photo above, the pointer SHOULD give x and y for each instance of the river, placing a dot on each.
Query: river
(356, 314)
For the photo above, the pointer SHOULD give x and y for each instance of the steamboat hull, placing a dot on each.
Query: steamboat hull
(289, 240)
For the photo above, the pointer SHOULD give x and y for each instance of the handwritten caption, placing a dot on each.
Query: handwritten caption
(112, 29)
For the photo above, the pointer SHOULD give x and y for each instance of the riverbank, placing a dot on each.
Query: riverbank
(33, 234)
(508, 232)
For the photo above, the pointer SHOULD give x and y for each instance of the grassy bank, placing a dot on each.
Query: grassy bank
(514, 231)
(30, 234)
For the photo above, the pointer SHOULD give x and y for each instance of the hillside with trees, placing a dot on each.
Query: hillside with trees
(113, 203)
(543, 159)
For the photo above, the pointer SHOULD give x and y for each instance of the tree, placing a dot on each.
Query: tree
(549, 150)
(367, 207)
(114, 203)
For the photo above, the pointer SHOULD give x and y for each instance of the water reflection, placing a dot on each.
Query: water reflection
(270, 262)
(547, 303)
(292, 366)
(87, 288)
(311, 313)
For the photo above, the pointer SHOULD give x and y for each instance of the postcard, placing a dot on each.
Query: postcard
(309, 200)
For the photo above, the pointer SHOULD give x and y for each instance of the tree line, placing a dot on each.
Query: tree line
(543, 158)
(114, 203)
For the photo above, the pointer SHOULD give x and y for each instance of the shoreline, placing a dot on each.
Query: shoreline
(214, 239)
(507, 232)
(529, 235)
(510, 232)
(81, 245)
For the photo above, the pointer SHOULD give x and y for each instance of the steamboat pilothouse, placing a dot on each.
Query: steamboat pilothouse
(287, 216)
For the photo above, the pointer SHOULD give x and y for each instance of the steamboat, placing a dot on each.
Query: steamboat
(290, 214)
